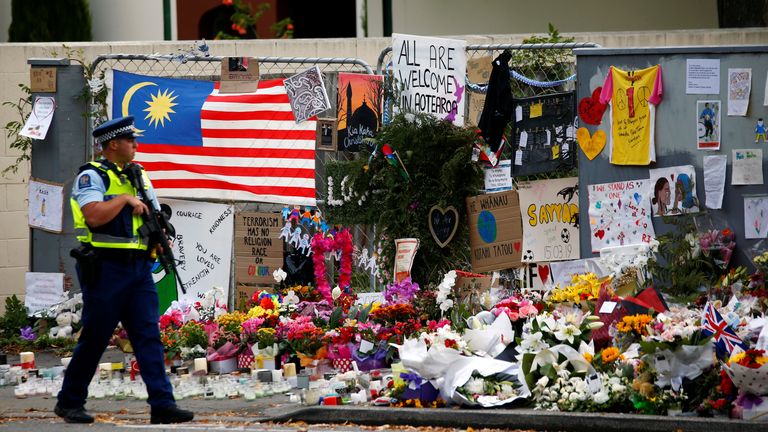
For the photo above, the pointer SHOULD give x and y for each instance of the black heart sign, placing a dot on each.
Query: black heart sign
(443, 224)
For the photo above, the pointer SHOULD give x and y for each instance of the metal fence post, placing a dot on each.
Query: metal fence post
(56, 159)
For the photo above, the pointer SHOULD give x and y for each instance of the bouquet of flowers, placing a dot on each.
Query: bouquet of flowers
(748, 371)
(223, 344)
(553, 345)
(583, 287)
(491, 390)
(401, 292)
(603, 391)
(212, 305)
(303, 336)
(718, 245)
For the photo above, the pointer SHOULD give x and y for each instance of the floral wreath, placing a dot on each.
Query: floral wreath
(320, 245)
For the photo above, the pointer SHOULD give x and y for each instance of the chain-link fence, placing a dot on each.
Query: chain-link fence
(535, 70)
(209, 68)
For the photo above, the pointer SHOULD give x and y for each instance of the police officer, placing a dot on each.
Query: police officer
(116, 279)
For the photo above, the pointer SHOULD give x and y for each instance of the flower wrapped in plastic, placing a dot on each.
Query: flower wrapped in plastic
(748, 370)
(718, 246)
(485, 382)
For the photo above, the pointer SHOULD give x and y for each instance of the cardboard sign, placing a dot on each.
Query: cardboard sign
(258, 247)
(432, 73)
(239, 75)
(243, 293)
(550, 221)
(42, 80)
(495, 231)
(470, 286)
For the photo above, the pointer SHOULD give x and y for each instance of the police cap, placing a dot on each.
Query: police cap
(116, 128)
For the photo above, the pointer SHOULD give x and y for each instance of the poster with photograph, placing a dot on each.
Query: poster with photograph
(620, 214)
(46, 203)
(203, 249)
(432, 74)
(708, 125)
(739, 87)
(359, 103)
(756, 217)
(307, 94)
(674, 191)
(550, 212)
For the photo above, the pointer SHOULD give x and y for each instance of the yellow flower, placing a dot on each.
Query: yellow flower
(609, 354)
(588, 357)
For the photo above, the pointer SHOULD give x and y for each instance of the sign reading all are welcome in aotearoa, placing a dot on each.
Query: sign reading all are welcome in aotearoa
(495, 231)
(258, 247)
(431, 74)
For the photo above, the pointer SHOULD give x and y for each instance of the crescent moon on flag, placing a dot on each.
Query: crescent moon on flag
(129, 94)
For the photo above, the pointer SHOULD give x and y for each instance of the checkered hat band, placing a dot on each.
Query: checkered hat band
(110, 135)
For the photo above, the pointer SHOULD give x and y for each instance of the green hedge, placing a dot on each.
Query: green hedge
(50, 21)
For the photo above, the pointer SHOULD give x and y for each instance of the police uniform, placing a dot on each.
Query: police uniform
(121, 290)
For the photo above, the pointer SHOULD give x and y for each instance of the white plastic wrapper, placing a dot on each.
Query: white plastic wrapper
(491, 340)
(461, 371)
(688, 361)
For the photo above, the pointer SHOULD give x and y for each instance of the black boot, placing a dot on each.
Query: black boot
(172, 414)
(73, 415)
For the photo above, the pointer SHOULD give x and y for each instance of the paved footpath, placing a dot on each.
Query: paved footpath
(276, 413)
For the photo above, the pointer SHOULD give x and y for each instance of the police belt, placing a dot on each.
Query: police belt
(124, 255)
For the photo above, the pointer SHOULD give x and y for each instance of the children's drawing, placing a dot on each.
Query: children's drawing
(620, 213)
(756, 217)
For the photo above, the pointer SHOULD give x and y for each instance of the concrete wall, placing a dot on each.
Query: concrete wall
(14, 233)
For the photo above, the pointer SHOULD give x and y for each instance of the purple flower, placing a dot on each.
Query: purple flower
(401, 292)
(413, 206)
(27, 334)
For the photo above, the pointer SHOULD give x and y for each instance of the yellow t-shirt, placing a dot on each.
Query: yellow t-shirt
(633, 97)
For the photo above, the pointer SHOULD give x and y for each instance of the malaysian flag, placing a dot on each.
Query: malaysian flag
(713, 324)
(198, 143)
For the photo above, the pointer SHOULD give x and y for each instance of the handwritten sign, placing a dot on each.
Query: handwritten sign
(431, 73)
(203, 245)
(43, 291)
(747, 167)
(239, 75)
(495, 231)
(258, 247)
(42, 79)
(39, 120)
(46, 202)
(620, 213)
(550, 219)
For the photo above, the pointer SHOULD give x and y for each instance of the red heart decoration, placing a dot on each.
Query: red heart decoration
(543, 273)
(590, 109)
(517, 246)
(600, 234)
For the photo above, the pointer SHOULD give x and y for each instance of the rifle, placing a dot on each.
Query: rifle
(156, 225)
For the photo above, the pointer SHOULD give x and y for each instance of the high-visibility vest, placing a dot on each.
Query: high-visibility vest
(122, 232)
